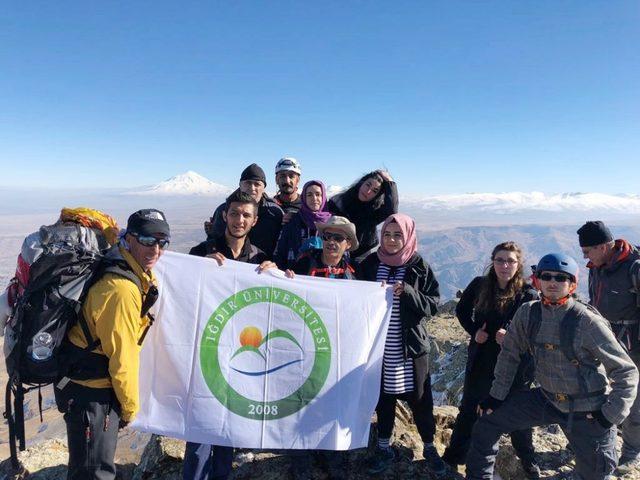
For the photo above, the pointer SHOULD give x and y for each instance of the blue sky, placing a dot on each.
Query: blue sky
(449, 96)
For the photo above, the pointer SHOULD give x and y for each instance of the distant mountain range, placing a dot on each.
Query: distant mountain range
(457, 255)
(456, 232)
(192, 183)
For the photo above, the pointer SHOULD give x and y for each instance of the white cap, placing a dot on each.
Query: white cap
(288, 164)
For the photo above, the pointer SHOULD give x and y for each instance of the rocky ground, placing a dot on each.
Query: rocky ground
(144, 457)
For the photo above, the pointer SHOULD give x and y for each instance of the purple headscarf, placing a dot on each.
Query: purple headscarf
(310, 217)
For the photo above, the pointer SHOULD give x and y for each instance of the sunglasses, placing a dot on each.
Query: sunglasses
(327, 237)
(149, 241)
(560, 277)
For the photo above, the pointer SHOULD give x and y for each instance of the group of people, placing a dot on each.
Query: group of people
(537, 354)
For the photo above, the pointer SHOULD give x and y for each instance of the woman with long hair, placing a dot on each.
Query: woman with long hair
(485, 310)
(367, 203)
(405, 362)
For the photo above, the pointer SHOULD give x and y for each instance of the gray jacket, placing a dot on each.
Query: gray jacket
(594, 345)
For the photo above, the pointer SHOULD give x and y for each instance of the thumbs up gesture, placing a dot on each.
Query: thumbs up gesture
(482, 335)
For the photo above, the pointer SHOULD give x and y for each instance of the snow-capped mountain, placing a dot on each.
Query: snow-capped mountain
(189, 183)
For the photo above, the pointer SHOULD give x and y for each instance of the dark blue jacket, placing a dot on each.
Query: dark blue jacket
(292, 236)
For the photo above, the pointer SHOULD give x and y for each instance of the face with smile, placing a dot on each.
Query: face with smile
(369, 190)
(392, 238)
(144, 255)
(240, 218)
(505, 264)
(313, 197)
(553, 289)
(255, 188)
(287, 182)
(334, 243)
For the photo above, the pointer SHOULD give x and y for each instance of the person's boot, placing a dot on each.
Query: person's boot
(451, 460)
(433, 460)
(381, 460)
(531, 468)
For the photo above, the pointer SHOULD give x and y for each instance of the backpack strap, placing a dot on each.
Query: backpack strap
(568, 328)
(634, 272)
(535, 320)
(84, 364)
(122, 269)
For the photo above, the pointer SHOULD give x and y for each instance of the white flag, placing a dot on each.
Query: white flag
(254, 360)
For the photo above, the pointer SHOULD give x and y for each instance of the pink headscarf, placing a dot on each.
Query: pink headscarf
(408, 229)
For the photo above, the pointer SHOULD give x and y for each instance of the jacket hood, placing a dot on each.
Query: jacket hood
(623, 251)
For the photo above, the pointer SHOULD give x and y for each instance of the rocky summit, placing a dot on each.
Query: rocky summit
(150, 457)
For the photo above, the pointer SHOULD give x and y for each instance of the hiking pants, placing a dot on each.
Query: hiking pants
(207, 462)
(631, 425)
(592, 444)
(91, 416)
(422, 410)
(476, 389)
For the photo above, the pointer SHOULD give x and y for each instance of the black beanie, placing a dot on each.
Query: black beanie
(254, 172)
(594, 233)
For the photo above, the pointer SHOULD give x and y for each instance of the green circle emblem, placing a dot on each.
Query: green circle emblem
(210, 361)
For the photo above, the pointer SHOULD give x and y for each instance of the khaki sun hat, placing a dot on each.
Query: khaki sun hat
(342, 224)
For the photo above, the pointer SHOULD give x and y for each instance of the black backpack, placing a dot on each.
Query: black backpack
(69, 260)
(568, 328)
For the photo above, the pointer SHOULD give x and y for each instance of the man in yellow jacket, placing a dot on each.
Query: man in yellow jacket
(100, 394)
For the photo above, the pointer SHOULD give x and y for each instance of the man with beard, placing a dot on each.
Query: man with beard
(287, 178)
(338, 236)
(214, 462)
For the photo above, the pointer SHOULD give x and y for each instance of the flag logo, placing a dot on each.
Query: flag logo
(258, 367)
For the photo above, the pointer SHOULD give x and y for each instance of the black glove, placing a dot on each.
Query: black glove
(602, 420)
(490, 403)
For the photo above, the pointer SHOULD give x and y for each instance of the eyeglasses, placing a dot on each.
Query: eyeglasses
(501, 261)
(327, 237)
(149, 241)
(560, 277)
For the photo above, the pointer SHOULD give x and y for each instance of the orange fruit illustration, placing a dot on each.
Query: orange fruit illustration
(250, 336)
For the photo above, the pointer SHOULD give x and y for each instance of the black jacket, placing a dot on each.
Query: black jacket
(249, 253)
(265, 232)
(484, 356)
(363, 217)
(292, 235)
(289, 207)
(418, 302)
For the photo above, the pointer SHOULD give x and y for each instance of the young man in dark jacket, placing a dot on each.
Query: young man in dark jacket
(614, 286)
(214, 462)
(266, 231)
